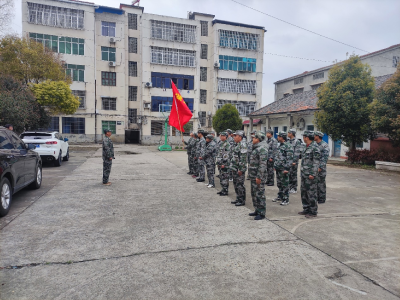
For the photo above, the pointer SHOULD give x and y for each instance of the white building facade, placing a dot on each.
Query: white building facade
(122, 62)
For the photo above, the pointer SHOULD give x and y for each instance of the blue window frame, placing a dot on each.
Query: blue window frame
(163, 81)
(156, 101)
(234, 63)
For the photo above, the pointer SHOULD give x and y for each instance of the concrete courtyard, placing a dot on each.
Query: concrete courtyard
(156, 233)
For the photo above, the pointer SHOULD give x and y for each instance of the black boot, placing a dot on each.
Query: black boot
(234, 202)
(253, 214)
(259, 217)
(239, 204)
(223, 194)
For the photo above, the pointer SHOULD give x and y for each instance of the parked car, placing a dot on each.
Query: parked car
(50, 145)
(20, 166)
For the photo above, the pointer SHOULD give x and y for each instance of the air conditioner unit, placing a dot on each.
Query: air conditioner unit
(216, 65)
(148, 84)
(112, 63)
(112, 40)
(147, 105)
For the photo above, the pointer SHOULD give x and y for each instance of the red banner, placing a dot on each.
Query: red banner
(180, 112)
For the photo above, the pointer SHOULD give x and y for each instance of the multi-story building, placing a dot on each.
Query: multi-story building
(122, 62)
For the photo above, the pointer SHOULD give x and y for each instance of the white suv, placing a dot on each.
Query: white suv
(50, 145)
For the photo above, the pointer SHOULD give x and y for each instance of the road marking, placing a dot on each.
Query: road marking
(347, 287)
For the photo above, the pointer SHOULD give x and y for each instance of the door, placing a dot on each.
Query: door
(63, 144)
(276, 132)
(132, 136)
(337, 147)
(27, 167)
(326, 138)
(11, 157)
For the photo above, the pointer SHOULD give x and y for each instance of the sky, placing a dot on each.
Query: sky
(369, 25)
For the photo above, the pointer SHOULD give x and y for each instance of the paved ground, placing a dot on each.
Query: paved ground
(158, 234)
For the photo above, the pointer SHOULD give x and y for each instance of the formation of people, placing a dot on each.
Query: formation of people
(262, 157)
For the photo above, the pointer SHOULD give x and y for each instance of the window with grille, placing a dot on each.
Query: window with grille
(203, 73)
(108, 53)
(109, 125)
(132, 93)
(203, 96)
(238, 40)
(132, 115)
(76, 72)
(109, 103)
(204, 28)
(244, 107)
(202, 118)
(234, 63)
(298, 91)
(158, 128)
(204, 51)
(109, 78)
(298, 80)
(176, 32)
(315, 86)
(48, 15)
(108, 28)
(159, 103)
(284, 128)
(228, 85)
(81, 96)
(163, 80)
(310, 127)
(73, 125)
(318, 75)
(132, 45)
(133, 68)
(54, 124)
(132, 21)
(173, 57)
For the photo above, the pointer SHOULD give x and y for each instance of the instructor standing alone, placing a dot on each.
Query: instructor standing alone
(108, 156)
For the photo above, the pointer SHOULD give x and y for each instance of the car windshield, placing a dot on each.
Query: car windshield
(36, 136)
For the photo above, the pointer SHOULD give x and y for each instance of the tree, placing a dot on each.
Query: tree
(56, 96)
(343, 103)
(385, 109)
(29, 61)
(227, 117)
(19, 107)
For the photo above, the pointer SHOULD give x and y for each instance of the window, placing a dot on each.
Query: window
(286, 95)
(244, 107)
(234, 63)
(396, 60)
(19, 144)
(298, 91)
(173, 57)
(108, 53)
(109, 103)
(60, 44)
(158, 128)
(318, 75)
(204, 28)
(156, 101)
(109, 125)
(203, 96)
(176, 32)
(203, 73)
(132, 45)
(163, 80)
(284, 128)
(188, 127)
(82, 97)
(227, 85)
(315, 86)
(76, 72)
(204, 51)
(310, 127)
(107, 28)
(132, 21)
(202, 118)
(298, 80)
(73, 125)
(133, 68)
(132, 115)
(360, 145)
(54, 124)
(5, 142)
(109, 78)
(132, 93)
(55, 16)
(238, 40)
(49, 41)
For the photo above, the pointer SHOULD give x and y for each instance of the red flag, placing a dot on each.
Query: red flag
(180, 112)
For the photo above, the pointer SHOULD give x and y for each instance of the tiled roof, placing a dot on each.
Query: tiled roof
(302, 101)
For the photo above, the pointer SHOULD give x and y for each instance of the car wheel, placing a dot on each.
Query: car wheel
(66, 157)
(6, 196)
(57, 162)
(38, 181)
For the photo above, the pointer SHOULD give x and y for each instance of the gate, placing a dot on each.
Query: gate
(132, 136)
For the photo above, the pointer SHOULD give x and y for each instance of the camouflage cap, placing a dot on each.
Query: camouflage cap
(209, 136)
(212, 132)
(282, 134)
(308, 133)
(201, 131)
(260, 136)
(292, 131)
(270, 131)
(106, 130)
(229, 131)
(319, 133)
(224, 133)
(253, 132)
(239, 132)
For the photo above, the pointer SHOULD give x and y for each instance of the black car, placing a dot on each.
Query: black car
(19, 167)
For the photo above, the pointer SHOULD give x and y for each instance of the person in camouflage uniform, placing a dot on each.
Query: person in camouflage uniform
(250, 148)
(282, 163)
(238, 166)
(272, 145)
(200, 155)
(108, 156)
(297, 147)
(258, 174)
(223, 159)
(189, 147)
(310, 162)
(219, 142)
(209, 159)
(232, 143)
(195, 161)
(324, 148)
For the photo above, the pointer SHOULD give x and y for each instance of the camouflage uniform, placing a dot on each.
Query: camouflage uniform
(201, 152)
(249, 149)
(297, 147)
(282, 162)
(272, 145)
(232, 144)
(108, 152)
(209, 159)
(258, 169)
(223, 159)
(321, 189)
(195, 160)
(310, 163)
(239, 163)
(188, 151)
